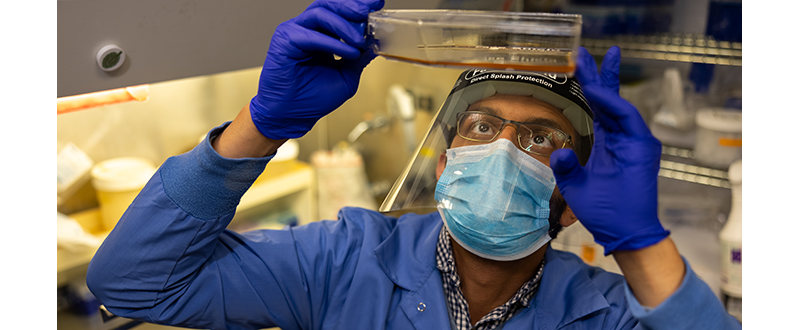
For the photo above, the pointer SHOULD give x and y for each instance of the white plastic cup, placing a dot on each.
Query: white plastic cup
(719, 137)
(117, 182)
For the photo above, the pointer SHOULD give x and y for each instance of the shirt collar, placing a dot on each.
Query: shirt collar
(407, 255)
(446, 264)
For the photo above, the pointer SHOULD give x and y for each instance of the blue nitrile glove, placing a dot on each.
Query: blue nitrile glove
(615, 195)
(301, 81)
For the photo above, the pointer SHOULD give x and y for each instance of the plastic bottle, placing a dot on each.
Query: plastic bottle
(730, 239)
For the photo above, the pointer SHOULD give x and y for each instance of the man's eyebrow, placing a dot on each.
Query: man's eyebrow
(530, 120)
(483, 108)
(545, 122)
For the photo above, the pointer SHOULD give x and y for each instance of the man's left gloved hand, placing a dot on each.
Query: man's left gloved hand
(615, 195)
(301, 81)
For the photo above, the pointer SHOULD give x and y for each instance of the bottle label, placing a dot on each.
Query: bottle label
(730, 142)
(731, 267)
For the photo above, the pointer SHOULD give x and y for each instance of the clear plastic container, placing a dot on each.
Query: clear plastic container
(538, 42)
(719, 137)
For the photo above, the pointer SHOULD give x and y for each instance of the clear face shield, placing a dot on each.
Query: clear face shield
(460, 122)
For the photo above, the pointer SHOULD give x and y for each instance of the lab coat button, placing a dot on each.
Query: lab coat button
(421, 307)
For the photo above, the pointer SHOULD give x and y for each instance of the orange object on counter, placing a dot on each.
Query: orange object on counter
(90, 100)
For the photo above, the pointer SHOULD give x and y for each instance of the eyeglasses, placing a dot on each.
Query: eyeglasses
(533, 138)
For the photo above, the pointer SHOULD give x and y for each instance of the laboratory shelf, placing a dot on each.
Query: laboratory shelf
(691, 48)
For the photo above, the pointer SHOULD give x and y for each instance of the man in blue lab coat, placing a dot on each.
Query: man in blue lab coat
(482, 262)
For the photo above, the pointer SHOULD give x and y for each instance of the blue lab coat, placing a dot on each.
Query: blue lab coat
(170, 260)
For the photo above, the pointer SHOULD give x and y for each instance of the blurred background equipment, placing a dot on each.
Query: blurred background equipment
(341, 181)
(401, 105)
(674, 122)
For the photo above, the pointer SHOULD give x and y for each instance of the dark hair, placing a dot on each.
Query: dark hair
(557, 207)
(583, 148)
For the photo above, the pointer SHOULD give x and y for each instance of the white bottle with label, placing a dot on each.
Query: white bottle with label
(730, 239)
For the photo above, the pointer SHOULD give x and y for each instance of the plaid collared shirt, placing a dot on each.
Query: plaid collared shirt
(455, 298)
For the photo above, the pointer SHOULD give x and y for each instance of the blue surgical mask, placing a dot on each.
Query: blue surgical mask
(495, 200)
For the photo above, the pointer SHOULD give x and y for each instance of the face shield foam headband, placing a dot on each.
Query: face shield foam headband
(414, 188)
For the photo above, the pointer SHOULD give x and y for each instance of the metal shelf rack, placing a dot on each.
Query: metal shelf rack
(676, 163)
(690, 48)
(682, 170)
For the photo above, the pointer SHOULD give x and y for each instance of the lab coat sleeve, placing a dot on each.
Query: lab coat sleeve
(692, 306)
(170, 259)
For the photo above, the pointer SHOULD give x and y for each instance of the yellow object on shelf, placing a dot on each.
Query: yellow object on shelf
(277, 169)
(90, 220)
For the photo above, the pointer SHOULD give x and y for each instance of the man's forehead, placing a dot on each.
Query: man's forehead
(524, 109)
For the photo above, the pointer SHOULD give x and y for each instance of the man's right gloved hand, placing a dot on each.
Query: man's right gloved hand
(301, 81)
